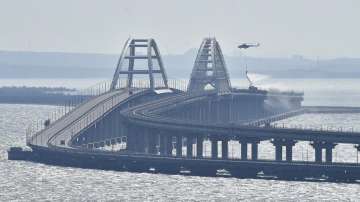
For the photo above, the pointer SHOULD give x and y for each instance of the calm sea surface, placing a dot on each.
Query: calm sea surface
(25, 181)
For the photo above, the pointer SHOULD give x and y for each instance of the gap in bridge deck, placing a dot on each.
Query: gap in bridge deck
(344, 121)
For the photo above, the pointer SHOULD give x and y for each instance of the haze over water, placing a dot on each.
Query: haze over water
(326, 92)
(26, 181)
(304, 38)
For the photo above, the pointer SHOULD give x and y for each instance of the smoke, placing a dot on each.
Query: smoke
(265, 82)
(256, 78)
(275, 103)
(275, 86)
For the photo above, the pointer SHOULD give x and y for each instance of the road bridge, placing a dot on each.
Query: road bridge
(155, 121)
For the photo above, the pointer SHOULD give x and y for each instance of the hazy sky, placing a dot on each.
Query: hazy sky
(324, 28)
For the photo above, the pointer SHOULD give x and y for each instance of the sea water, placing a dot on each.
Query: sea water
(27, 181)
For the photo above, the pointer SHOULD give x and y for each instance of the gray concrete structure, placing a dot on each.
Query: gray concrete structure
(130, 54)
(209, 70)
(151, 122)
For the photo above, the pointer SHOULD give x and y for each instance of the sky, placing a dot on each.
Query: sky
(312, 28)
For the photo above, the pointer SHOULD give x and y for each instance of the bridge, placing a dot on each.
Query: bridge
(158, 125)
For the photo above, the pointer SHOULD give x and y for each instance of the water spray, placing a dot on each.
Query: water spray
(246, 46)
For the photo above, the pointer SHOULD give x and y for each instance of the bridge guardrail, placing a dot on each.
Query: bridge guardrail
(79, 126)
(89, 93)
(79, 97)
(320, 128)
(145, 115)
(104, 87)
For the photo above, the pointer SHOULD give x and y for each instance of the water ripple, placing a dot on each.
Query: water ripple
(26, 181)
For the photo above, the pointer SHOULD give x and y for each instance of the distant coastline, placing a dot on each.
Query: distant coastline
(38, 95)
(15, 64)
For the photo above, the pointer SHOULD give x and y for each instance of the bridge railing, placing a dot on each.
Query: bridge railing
(273, 122)
(320, 128)
(82, 96)
(277, 117)
(105, 107)
(95, 114)
(180, 84)
(77, 98)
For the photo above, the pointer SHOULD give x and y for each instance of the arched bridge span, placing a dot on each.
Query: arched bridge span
(155, 124)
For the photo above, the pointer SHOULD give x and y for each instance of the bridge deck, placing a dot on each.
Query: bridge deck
(54, 143)
(144, 115)
(64, 128)
(331, 109)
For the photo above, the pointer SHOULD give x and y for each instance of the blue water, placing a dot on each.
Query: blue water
(26, 181)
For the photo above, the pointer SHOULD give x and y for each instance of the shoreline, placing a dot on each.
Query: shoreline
(57, 96)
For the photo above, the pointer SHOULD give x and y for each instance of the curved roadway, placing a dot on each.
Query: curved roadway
(60, 132)
(148, 115)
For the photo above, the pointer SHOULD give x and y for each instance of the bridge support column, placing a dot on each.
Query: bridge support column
(131, 139)
(140, 141)
(224, 148)
(165, 145)
(199, 146)
(279, 143)
(254, 150)
(329, 150)
(328, 155)
(146, 141)
(214, 148)
(152, 143)
(319, 146)
(244, 149)
(178, 145)
(169, 145)
(289, 152)
(318, 154)
(189, 146)
(289, 149)
(278, 152)
(357, 152)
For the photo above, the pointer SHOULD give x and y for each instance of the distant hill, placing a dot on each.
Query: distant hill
(80, 65)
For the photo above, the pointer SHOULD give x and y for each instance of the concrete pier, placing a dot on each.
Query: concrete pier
(199, 146)
(279, 144)
(244, 142)
(254, 150)
(152, 139)
(179, 145)
(151, 116)
(319, 146)
(189, 146)
(214, 147)
(244, 150)
(224, 148)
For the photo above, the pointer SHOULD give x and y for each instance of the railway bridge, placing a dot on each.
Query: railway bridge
(144, 122)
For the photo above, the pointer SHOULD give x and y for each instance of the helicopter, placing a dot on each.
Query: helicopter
(248, 45)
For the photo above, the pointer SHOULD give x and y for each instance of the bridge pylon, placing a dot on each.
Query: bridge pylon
(209, 72)
(141, 52)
